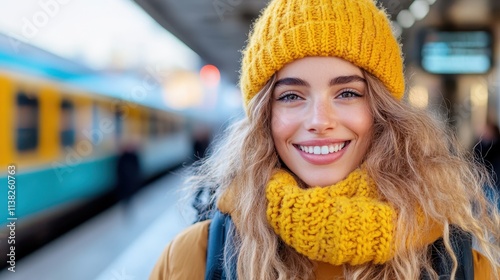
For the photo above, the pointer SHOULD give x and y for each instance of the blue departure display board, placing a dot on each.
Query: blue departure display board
(456, 52)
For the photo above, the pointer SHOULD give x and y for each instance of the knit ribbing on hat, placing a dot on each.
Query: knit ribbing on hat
(356, 31)
(338, 224)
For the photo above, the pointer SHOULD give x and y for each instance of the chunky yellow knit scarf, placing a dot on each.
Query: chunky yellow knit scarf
(338, 224)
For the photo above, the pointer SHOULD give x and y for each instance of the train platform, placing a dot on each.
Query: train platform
(122, 243)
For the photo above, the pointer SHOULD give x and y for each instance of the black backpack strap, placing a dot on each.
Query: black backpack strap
(218, 235)
(461, 242)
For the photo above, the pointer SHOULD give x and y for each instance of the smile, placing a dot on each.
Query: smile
(323, 150)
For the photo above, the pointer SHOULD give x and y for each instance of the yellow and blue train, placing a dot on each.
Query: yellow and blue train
(62, 128)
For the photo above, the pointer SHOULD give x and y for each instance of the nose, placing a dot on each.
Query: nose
(321, 118)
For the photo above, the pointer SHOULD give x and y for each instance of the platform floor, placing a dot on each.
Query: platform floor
(122, 243)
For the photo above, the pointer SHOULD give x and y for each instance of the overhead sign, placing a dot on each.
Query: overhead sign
(456, 52)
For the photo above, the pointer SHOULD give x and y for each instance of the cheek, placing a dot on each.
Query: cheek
(279, 125)
(364, 129)
(362, 125)
(282, 129)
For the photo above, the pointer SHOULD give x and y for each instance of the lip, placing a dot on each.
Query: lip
(321, 142)
(322, 159)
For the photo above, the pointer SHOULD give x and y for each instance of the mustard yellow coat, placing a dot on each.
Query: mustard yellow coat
(185, 259)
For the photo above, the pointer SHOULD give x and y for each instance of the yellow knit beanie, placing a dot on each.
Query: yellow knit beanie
(355, 30)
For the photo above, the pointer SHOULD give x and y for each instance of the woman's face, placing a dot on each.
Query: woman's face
(321, 121)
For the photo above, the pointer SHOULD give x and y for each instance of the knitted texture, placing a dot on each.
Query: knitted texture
(355, 30)
(339, 224)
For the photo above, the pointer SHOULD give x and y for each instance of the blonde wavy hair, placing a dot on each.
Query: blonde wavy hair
(414, 160)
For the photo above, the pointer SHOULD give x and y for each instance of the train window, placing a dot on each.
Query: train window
(171, 124)
(153, 124)
(167, 124)
(145, 122)
(164, 126)
(67, 123)
(176, 127)
(119, 115)
(95, 123)
(141, 120)
(27, 122)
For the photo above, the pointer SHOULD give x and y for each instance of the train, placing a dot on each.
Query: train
(63, 127)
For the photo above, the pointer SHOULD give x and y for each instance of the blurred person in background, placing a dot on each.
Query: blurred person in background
(203, 201)
(331, 175)
(487, 151)
(202, 139)
(128, 174)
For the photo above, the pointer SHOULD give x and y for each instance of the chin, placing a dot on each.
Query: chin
(323, 178)
(324, 182)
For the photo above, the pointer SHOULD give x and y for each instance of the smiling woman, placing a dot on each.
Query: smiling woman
(331, 175)
(321, 121)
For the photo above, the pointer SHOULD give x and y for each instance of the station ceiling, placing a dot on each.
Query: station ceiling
(217, 29)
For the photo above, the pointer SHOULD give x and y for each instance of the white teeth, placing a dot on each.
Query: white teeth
(323, 150)
(317, 150)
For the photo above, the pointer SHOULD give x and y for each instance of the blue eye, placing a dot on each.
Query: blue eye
(289, 97)
(349, 94)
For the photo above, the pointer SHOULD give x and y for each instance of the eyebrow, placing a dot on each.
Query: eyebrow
(346, 80)
(335, 81)
(291, 82)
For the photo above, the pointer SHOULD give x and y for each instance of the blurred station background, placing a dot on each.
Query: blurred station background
(104, 103)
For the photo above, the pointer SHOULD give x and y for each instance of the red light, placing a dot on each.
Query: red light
(210, 75)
